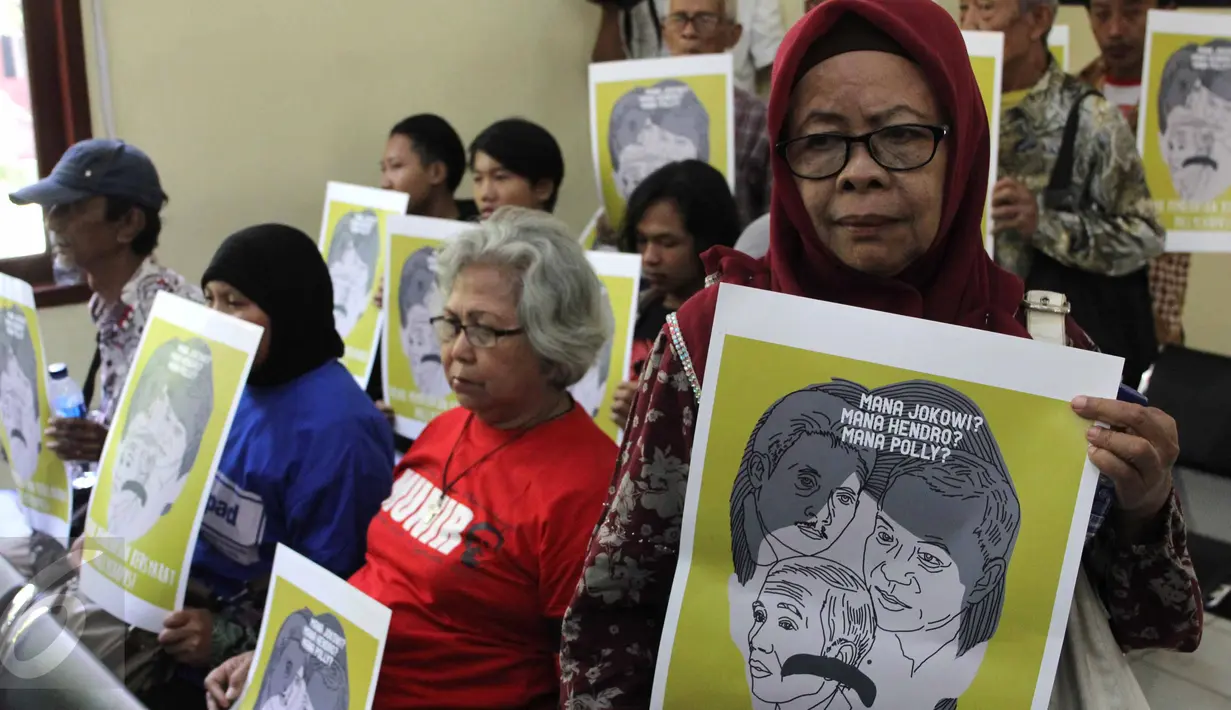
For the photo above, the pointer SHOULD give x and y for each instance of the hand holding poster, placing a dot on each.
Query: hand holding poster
(1184, 127)
(646, 113)
(318, 649)
(160, 457)
(24, 411)
(416, 385)
(986, 51)
(354, 240)
(892, 516)
(620, 275)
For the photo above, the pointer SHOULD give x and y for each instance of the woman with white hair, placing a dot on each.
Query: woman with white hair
(478, 549)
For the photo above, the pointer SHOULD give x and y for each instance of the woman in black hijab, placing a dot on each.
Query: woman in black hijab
(308, 459)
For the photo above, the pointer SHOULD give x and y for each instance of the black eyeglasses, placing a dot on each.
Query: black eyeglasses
(703, 22)
(480, 336)
(905, 146)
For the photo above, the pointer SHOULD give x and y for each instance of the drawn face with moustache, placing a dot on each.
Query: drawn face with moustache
(148, 475)
(19, 412)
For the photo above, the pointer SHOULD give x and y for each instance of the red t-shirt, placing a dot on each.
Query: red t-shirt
(478, 591)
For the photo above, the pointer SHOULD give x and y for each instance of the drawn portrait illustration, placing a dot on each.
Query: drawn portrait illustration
(590, 390)
(19, 401)
(1194, 119)
(652, 126)
(887, 509)
(169, 409)
(307, 667)
(418, 301)
(353, 252)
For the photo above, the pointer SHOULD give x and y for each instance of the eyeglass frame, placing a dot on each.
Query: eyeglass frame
(685, 19)
(939, 133)
(463, 329)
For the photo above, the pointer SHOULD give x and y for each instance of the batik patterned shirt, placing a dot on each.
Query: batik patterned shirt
(121, 324)
(1113, 229)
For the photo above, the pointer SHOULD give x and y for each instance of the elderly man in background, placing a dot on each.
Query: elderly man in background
(1110, 228)
(705, 27)
(1120, 29)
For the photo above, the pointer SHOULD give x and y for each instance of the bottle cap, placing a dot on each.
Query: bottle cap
(57, 370)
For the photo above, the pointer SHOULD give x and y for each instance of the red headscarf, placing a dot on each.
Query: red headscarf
(955, 281)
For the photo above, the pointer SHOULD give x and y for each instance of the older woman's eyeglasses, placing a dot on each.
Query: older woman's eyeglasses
(703, 22)
(904, 146)
(480, 336)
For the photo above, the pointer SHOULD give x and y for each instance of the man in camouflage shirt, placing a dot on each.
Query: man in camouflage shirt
(1113, 231)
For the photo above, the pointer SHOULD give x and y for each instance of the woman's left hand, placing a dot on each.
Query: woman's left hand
(1136, 453)
(187, 636)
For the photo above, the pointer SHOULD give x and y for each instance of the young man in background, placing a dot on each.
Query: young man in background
(1120, 30)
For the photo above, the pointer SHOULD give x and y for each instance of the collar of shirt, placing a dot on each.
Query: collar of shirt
(116, 313)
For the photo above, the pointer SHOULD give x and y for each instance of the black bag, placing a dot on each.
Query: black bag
(1115, 311)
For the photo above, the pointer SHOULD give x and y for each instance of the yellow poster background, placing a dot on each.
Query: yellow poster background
(1059, 52)
(1174, 212)
(402, 393)
(166, 543)
(285, 599)
(620, 292)
(46, 491)
(711, 91)
(361, 341)
(707, 669)
(985, 75)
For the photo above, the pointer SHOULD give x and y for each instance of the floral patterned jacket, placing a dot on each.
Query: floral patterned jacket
(611, 631)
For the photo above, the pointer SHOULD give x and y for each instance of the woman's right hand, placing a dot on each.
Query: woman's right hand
(622, 403)
(224, 684)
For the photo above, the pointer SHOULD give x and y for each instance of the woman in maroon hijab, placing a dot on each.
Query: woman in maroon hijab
(880, 177)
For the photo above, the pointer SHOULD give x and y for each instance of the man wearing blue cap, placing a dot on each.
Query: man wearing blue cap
(102, 202)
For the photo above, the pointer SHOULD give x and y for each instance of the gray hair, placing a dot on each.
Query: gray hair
(730, 9)
(559, 297)
(1028, 5)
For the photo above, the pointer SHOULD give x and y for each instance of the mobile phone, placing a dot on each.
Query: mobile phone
(1128, 394)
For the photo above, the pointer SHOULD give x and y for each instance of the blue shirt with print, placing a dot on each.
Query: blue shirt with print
(307, 464)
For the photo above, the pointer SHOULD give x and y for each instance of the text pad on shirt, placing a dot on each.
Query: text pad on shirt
(234, 521)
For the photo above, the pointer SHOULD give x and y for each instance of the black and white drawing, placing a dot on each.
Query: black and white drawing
(590, 390)
(168, 412)
(418, 300)
(307, 667)
(869, 568)
(19, 403)
(353, 253)
(652, 126)
(1194, 119)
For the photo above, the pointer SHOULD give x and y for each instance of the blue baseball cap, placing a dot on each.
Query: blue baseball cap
(94, 168)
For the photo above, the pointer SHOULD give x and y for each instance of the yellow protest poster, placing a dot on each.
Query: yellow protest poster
(892, 516)
(986, 50)
(416, 385)
(620, 275)
(24, 410)
(354, 239)
(321, 642)
(1184, 127)
(645, 113)
(160, 457)
(1058, 44)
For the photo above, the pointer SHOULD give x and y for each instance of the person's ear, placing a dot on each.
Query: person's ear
(758, 468)
(131, 224)
(543, 190)
(991, 580)
(843, 651)
(1044, 17)
(437, 173)
(737, 31)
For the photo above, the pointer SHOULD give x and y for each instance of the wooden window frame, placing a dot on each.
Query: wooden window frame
(60, 104)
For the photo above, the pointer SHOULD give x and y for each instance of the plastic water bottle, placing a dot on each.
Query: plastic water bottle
(67, 402)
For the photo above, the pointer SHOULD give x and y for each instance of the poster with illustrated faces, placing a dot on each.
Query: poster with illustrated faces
(986, 50)
(891, 516)
(321, 642)
(620, 275)
(160, 458)
(1184, 127)
(42, 483)
(1058, 44)
(354, 238)
(645, 113)
(416, 384)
